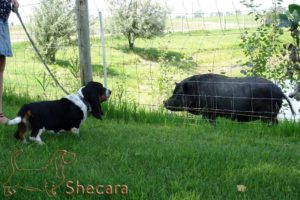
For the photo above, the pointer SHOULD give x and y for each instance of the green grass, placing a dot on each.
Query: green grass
(164, 158)
(159, 155)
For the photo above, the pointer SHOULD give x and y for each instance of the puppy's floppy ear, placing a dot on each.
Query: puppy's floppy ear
(96, 107)
(91, 94)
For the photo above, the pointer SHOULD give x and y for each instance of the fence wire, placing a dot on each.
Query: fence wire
(196, 41)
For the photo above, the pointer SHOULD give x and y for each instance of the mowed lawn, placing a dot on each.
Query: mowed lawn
(164, 160)
(158, 155)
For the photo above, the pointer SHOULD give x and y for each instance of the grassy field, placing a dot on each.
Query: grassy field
(184, 23)
(158, 155)
(142, 75)
(161, 159)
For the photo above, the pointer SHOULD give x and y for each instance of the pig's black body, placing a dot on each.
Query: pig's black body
(241, 99)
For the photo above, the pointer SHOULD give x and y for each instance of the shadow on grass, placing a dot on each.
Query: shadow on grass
(111, 70)
(97, 68)
(174, 58)
(63, 63)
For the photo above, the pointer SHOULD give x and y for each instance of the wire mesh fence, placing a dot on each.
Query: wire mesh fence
(195, 41)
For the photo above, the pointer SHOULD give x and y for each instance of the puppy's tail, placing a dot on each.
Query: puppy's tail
(14, 121)
(23, 116)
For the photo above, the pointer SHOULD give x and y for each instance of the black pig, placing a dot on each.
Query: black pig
(241, 99)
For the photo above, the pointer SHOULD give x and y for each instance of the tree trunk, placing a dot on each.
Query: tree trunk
(53, 58)
(131, 44)
(131, 40)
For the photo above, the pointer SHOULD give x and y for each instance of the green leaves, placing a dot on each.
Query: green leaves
(284, 20)
(262, 47)
(291, 18)
(267, 55)
(294, 8)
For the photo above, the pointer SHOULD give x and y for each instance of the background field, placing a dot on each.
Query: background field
(146, 72)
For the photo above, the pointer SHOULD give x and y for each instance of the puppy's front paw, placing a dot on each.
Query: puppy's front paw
(37, 140)
(75, 131)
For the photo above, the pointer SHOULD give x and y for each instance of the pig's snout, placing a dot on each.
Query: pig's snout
(166, 103)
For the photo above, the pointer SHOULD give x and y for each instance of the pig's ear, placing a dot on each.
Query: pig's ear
(186, 87)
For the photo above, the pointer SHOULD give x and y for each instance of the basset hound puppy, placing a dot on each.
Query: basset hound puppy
(66, 114)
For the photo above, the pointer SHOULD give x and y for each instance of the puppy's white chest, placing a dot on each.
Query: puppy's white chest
(78, 102)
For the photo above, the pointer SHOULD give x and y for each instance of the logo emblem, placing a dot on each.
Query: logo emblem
(48, 184)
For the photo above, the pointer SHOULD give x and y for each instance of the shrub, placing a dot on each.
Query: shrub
(52, 26)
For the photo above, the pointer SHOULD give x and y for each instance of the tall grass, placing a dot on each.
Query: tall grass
(131, 112)
(159, 157)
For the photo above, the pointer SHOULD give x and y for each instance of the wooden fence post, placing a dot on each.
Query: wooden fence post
(83, 30)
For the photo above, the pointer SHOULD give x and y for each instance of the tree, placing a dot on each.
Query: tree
(138, 19)
(262, 47)
(52, 26)
(291, 20)
(199, 14)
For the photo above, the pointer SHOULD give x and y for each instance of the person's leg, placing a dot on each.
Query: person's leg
(3, 119)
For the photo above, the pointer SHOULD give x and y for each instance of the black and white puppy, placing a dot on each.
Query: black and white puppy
(65, 114)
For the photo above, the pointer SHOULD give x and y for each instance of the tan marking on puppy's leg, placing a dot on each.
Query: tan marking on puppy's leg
(26, 117)
(20, 133)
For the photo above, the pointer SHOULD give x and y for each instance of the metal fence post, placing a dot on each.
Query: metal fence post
(103, 50)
